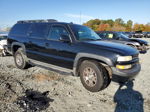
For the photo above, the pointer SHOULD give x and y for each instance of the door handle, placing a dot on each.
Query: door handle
(46, 44)
(30, 42)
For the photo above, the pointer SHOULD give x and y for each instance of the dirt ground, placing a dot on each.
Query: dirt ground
(38, 89)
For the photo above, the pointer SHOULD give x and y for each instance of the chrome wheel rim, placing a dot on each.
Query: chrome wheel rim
(19, 60)
(90, 76)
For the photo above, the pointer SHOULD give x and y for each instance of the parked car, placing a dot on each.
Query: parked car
(146, 34)
(119, 37)
(138, 34)
(129, 34)
(3, 44)
(72, 48)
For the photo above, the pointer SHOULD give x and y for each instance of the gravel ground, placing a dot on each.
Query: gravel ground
(37, 89)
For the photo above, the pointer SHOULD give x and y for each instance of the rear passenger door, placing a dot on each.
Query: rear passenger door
(36, 41)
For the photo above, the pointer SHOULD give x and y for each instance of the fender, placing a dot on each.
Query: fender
(18, 44)
(93, 56)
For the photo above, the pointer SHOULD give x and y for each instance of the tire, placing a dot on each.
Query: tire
(20, 60)
(99, 78)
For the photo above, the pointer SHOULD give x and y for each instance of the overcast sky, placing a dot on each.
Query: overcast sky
(77, 11)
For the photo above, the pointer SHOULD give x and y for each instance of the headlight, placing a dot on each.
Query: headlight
(123, 66)
(124, 58)
(137, 44)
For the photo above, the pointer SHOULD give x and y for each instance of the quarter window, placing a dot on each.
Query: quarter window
(20, 29)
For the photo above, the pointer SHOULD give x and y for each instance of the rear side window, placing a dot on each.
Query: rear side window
(39, 31)
(20, 29)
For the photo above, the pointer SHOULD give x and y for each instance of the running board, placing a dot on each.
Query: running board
(51, 67)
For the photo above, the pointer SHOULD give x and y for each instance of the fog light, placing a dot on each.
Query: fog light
(123, 66)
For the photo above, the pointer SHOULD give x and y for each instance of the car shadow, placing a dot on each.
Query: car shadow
(127, 99)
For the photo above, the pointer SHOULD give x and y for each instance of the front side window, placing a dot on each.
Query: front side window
(84, 33)
(56, 32)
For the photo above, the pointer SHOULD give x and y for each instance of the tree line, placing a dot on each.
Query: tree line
(116, 25)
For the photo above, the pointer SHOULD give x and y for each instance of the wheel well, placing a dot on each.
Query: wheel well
(15, 48)
(131, 45)
(89, 59)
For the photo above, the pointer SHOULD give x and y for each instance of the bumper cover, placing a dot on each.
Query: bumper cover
(122, 76)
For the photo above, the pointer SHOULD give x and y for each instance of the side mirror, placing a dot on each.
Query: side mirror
(64, 38)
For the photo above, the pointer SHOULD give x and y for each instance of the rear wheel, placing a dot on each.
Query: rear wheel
(94, 76)
(20, 59)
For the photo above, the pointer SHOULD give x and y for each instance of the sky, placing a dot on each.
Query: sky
(76, 11)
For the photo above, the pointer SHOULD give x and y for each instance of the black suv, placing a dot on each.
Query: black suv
(72, 48)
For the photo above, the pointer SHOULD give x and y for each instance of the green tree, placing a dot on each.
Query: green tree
(138, 27)
(129, 25)
(119, 21)
(93, 23)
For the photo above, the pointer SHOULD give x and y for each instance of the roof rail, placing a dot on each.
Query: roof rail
(37, 21)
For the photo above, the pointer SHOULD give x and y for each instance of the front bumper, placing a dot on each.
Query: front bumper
(122, 76)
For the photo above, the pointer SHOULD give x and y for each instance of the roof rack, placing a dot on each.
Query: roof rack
(37, 21)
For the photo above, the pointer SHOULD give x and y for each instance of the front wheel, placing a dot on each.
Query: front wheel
(20, 59)
(94, 76)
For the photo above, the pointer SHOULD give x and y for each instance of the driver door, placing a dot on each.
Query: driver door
(60, 53)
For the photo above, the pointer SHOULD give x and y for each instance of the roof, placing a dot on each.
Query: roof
(42, 21)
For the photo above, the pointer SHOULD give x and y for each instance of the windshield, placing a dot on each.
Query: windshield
(121, 35)
(84, 33)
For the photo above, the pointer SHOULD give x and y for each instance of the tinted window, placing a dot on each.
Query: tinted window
(84, 33)
(102, 35)
(20, 29)
(39, 30)
(57, 31)
(121, 35)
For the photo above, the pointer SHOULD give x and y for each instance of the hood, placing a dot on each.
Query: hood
(140, 41)
(113, 47)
